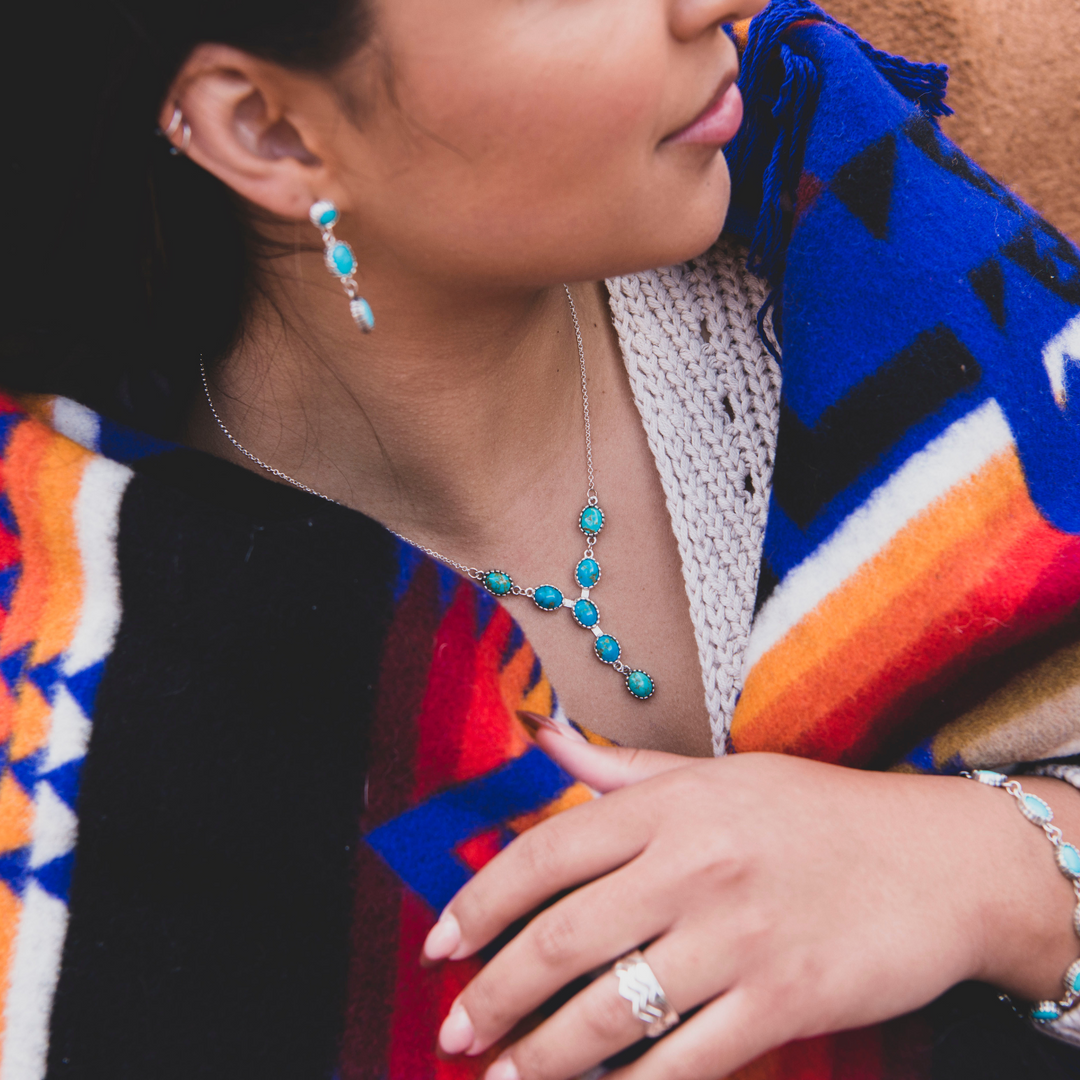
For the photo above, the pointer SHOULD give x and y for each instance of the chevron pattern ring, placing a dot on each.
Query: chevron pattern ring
(638, 985)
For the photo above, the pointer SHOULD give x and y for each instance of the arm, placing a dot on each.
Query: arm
(788, 897)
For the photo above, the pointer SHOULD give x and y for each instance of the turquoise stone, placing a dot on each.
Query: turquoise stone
(607, 648)
(1074, 983)
(547, 598)
(342, 258)
(1036, 809)
(592, 519)
(361, 312)
(587, 573)
(497, 583)
(586, 614)
(329, 216)
(640, 685)
(1045, 1011)
(1069, 860)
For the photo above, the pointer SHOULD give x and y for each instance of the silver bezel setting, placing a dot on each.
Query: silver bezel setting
(596, 650)
(331, 265)
(573, 612)
(497, 595)
(652, 683)
(1071, 973)
(318, 209)
(599, 572)
(549, 610)
(589, 533)
(1045, 1006)
(990, 778)
(1031, 815)
(1059, 856)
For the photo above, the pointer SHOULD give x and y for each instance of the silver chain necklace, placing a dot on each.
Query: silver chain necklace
(549, 598)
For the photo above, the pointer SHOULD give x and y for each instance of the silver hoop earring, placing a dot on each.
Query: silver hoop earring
(341, 262)
(177, 123)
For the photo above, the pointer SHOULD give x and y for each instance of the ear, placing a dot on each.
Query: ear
(256, 126)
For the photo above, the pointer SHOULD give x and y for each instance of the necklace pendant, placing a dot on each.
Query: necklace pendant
(498, 583)
(640, 684)
(547, 598)
(591, 521)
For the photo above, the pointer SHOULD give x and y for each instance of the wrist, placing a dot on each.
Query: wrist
(1028, 938)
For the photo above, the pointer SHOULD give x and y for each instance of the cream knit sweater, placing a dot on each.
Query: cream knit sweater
(709, 396)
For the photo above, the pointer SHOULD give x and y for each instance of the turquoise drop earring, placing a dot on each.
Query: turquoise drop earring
(341, 262)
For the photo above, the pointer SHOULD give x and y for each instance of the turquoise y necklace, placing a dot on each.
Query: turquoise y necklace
(499, 583)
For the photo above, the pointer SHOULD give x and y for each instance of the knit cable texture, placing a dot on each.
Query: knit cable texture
(709, 396)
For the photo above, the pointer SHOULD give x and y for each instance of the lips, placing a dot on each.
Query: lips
(718, 122)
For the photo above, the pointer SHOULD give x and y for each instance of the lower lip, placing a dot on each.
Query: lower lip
(718, 124)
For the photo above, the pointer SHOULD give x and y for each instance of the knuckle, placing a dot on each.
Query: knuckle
(608, 1019)
(555, 938)
(541, 852)
(486, 1007)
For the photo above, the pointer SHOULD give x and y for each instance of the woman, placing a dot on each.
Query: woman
(258, 658)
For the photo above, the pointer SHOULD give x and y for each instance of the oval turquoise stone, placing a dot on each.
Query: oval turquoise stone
(607, 648)
(497, 583)
(362, 314)
(342, 257)
(1074, 984)
(547, 598)
(640, 685)
(328, 216)
(586, 614)
(1036, 808)
(587, 573)
(1069, 860)
(1045, 1011)
(592, 519)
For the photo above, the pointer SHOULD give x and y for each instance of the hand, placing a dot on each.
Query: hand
(788, 897)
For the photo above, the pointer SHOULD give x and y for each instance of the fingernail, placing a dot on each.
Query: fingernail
(443, 938)
(533, 722)
(456, 1034)
(503, 1069)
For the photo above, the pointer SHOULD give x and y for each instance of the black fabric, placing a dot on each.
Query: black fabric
(813, 465)
(865, 185)
(222, 791)
(979, 1037)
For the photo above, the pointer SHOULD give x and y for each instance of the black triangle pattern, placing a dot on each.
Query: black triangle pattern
(988, 281)
(865, 185)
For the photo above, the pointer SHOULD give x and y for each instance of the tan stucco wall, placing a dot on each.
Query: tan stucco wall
(1015, 84)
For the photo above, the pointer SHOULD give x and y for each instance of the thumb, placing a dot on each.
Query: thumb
(603, 768)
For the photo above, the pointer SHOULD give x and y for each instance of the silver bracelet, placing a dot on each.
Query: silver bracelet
(1067, 857)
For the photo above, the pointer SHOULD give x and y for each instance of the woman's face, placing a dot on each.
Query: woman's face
(526, 142)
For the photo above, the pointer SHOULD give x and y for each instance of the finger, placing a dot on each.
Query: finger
(580, 933)
(606, 768)
(574, 847)
(728, 1033)
(598, 1022)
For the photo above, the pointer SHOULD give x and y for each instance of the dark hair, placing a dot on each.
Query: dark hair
(125, 262)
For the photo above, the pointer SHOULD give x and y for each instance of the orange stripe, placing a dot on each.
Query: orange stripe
(991, 504)
(63, 465)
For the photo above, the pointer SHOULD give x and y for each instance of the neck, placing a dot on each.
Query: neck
(455, 411)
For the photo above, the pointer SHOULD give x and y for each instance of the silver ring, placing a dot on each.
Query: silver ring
(639, 986)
